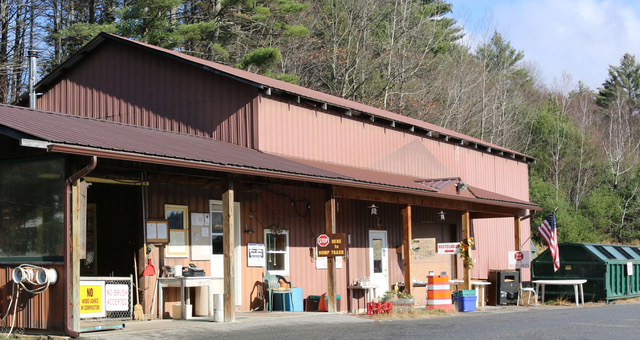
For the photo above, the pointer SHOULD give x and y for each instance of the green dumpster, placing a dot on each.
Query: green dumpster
(612, 271)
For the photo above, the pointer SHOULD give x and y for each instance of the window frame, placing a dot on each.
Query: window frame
(284, 272)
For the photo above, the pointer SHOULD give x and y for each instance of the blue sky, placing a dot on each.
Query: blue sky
(578, 37)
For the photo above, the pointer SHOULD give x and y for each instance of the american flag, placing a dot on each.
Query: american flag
(550, 234)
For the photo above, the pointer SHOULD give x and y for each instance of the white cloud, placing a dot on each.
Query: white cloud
(580, 37)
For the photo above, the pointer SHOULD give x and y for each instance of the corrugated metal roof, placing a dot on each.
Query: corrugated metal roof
(440, 183)
(135, 141)
(266, 82)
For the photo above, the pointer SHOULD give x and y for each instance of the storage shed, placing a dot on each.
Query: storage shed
(612, 271)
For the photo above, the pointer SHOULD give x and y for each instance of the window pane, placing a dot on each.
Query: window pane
(31, 204)
(216, 220)
(276, 242)
(377, 255)
(216, 244)
(275, 261)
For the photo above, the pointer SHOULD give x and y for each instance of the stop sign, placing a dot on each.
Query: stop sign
(519, 256)
(323, 240)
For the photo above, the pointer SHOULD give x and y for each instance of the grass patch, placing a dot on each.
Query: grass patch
(412, 313)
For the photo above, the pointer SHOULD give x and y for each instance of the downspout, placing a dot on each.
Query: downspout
(67, 242)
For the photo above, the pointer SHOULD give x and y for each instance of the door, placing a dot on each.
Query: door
(379, 261)
(217, 254)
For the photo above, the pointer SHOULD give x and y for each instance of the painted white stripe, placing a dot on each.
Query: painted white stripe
(439, 287)
(439, 302)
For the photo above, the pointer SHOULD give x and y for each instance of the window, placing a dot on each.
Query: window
(32, 209)
(277, 246)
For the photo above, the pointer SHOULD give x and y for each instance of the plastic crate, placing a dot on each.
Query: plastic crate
(466, 292)
(465, 303)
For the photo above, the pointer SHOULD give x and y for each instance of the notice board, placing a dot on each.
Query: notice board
(200, 237)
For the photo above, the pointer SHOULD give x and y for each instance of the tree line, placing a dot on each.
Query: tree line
(405, 56)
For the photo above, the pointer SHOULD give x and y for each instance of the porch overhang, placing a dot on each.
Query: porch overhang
(91, 137)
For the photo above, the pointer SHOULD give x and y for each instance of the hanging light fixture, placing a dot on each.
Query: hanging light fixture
(441, 215)
(374, 209)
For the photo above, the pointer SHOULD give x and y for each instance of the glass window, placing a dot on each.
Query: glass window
(377, 255)
(216, 233)
(32, 209)
(277, 246)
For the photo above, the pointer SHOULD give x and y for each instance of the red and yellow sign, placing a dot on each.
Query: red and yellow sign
(336, 245)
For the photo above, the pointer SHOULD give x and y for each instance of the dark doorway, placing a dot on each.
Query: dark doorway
(118, 228)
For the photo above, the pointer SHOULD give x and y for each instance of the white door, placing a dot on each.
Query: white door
(379, 261)
(217, 254)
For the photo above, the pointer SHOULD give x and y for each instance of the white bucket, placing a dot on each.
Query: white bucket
(218, 307)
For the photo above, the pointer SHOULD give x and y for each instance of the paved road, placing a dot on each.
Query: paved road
(615, 321)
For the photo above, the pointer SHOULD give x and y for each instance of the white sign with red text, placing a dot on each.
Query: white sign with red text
(518, 259)
(449, 248)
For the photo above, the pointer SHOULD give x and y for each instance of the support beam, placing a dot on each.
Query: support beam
(466, 233)
(516, 232)
(437, 201)
(330, 211)
(228, 246)
(406, 250)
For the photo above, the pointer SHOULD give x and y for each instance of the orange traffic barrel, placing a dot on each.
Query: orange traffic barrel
(438, 293)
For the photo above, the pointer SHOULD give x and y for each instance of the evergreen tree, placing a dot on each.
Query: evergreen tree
(623, 80)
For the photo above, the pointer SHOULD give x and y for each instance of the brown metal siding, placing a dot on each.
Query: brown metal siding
(196, 198)
(314, 134)
(136, 87)
(42, 311)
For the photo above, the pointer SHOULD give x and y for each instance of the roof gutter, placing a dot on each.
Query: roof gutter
(68, 329)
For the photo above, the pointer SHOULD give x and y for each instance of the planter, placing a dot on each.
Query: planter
(403, 304)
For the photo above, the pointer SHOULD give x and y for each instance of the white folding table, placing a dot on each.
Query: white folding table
(575, 283)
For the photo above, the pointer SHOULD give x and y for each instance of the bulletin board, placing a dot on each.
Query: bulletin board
(157, 231)
(200, 236)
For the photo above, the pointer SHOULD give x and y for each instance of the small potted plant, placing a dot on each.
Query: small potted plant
(400, 299)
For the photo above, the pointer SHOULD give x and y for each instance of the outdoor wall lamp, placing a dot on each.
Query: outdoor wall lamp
(441, 215)
(374, 209)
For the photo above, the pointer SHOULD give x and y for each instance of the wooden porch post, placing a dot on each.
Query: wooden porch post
(228, 246)
(516, 232)
(330, 211)
(406, 249)
(466, 233)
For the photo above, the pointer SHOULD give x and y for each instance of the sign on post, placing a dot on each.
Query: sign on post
(518, 259)
(332, 245)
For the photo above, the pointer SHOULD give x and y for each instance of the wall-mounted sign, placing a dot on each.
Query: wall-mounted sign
(518, 259)
(92, 299)
(422, 248)
(255, 254)
(450, 248)
(629, 268)
(322, 263)
(332, 245)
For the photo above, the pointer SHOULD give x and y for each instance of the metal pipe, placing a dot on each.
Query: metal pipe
(33, 73)
(67, 242)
